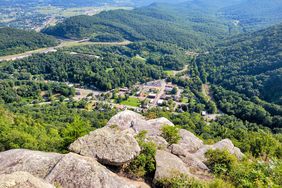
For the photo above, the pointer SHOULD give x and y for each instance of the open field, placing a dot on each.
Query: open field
(132, 101)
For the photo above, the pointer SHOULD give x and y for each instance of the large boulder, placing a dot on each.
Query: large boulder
(109, 146)
(168, 166)
(189, 141)
(85, 172)
(160, 142)
(22, 180)
(126, 119)
(36, 163)
(188, 158)
(68, 171)
(132, 120)
(153, 127)
(223, 144)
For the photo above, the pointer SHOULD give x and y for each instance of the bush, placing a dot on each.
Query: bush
(181, 181)
(144, 164)
(171, 134)
(220, 161)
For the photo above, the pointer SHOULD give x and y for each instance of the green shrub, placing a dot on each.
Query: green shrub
(171, 134)
(220, 161)
(143, 164)
(181, 181)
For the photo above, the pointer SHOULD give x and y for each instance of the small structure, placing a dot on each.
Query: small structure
(160, 102)
(204, 113)
(152, 96)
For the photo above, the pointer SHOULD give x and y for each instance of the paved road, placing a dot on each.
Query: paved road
(65, 43)
(162, 91)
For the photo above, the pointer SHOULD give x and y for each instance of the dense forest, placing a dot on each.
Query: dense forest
(158, 22)
(96, 66)
(14, 41)
(251, 66)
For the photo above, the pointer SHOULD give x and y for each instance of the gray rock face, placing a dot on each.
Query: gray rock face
(168, 166)
(188, 158)
(85, 172)
(108, 145)
(154, 126)
(22, 180)
(36, 163)
(69, 171)
(160, 142)
(223, 144)
(189, 141)
(126, 119)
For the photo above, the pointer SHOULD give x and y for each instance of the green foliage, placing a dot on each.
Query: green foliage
(256, 174)
(220, 161)
(144, 163)
(46, 128)
(171, 134)
(175, 24)
(76, 129)
(14, 41)
(180, 181)
(86, 70)
(106, 38)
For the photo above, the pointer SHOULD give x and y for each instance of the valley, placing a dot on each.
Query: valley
(128, 93)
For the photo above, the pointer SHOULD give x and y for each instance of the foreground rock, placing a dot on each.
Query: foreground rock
(69, 170)
(22, 180)
(36, 163)
(108, 145)
(84, 172)
(168, 166)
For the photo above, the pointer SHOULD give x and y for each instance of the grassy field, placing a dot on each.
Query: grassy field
(169, 73)
(132, 101)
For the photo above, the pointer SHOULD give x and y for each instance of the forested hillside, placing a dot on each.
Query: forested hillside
(158, 22)
(251, 65)
(253, 14)
(16, 41)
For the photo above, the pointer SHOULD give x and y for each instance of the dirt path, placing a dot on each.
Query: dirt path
(65, 43)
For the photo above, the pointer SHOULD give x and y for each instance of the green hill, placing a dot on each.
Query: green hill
(160, 22)
(250, 65)
(14, 41)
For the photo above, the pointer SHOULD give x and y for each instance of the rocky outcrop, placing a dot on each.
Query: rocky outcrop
(132, 120)
(84, 172)
(126, 119)
(69, 170)
(115, 145)
(223, 144)
(36, 163)
(108, 145)
(168, 166)
(188, 158)
(189, 141)
(22, 180)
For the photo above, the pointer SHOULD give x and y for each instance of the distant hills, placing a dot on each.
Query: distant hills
(160, 22)
(193, 24)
